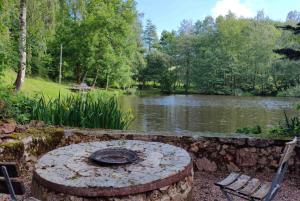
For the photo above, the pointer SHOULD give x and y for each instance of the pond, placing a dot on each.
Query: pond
(199, 113)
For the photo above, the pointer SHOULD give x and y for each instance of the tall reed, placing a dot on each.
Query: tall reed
(84, 110)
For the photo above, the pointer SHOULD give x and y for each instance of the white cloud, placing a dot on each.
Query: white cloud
(222, 7)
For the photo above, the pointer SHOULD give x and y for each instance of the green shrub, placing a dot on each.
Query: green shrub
(289, 127)
(291, 92)
(83, 110)
(16, 106)
(250, 130)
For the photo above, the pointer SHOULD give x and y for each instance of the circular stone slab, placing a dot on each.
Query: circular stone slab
(68, 169)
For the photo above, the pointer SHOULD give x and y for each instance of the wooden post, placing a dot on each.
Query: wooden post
(60, 63)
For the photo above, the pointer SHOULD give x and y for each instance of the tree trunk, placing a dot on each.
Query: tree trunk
(60, 64)
(78, 74)
(22, 46)
(95, 79)
(107, 81)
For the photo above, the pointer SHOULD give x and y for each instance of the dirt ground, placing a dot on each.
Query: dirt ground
(205, 190)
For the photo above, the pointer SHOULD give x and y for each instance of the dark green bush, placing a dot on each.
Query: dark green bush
(250, 130)
(289, 127)
(16, 106)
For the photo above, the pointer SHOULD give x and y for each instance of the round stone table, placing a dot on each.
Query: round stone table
(162, 172)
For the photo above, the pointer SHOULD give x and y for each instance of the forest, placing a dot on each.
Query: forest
(103, 43)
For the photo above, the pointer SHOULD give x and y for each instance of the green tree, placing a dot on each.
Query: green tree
(150, 35)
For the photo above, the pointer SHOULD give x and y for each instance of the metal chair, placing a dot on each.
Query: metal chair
(9, 183)
(253, 189)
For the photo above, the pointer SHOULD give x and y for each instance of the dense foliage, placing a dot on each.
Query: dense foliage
(226, 55)
(103, 43)
(15, 106)
(100, 40)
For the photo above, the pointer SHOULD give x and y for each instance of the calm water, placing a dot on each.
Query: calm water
(197, 113)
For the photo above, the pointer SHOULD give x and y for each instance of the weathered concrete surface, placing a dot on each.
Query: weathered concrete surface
(68, 170)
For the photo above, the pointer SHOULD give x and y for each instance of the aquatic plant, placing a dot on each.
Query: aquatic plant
(82, 110)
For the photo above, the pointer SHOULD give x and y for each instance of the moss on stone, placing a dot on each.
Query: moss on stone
(40, 140)
(11, 150)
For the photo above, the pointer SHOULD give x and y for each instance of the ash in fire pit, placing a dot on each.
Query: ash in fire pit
(113, 156)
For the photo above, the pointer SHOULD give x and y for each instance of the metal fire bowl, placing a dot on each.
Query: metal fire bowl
(113, 156)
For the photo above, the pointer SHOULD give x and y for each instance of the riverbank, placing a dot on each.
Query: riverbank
(39, 85)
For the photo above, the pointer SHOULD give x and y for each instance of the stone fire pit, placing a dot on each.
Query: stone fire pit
(161, 172)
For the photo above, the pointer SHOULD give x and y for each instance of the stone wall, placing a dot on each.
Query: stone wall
(209, 153)
(181, 190)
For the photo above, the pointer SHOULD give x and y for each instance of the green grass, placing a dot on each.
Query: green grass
(48, 88)
(36, 85)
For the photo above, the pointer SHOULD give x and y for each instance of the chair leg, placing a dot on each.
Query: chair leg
(8, 184)
(228, 197)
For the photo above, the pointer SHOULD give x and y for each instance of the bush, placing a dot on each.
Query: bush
(84, 110)
(289, 127)
(291, 92)
(16, 106)
(250, 130)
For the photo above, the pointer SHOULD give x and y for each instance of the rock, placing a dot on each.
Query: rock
(155, 195)
(233, 167)
(240, 142)
(8, 127)
(183, 185)
(177, 197)
(253, 149)
(278, 149)
(223, 152)
(274, 164)
(205, 144)
(165, 198)
(229, 157)
(259, 143)
(37, 124)
(203, 164)
(172, 191)
(245, 158)
(163, 189)
(263, 161)
(225, 146)
(21, 128)
(264, 152)
(194, 148)
(225, 140)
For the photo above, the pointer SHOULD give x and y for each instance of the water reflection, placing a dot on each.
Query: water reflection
(196, 113)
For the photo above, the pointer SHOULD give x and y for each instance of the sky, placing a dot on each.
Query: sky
(168, 14)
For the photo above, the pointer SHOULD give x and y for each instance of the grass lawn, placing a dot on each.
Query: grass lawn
(50, 89)
(36, 85)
